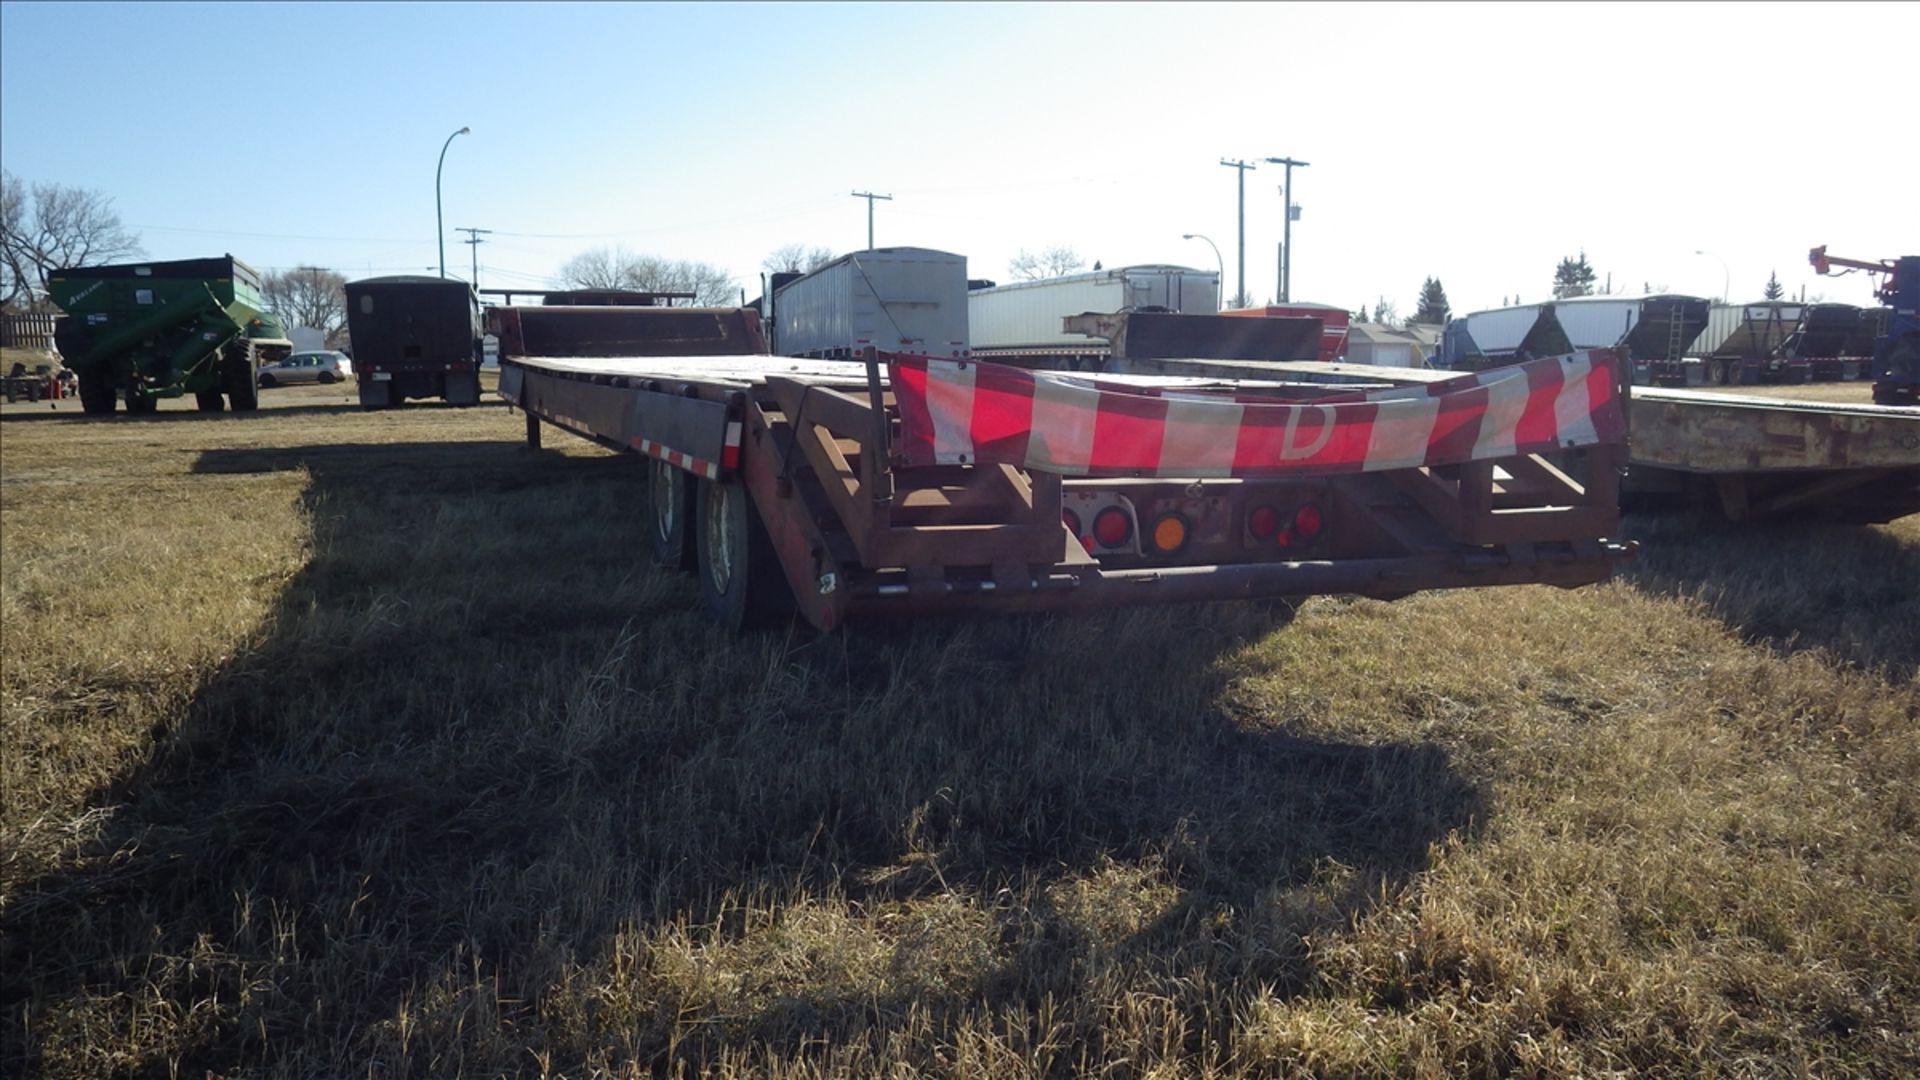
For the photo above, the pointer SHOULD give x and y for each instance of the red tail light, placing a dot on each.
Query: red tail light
(1307, 522)
(1071, 520)
(1112, 527)
(1263, 523)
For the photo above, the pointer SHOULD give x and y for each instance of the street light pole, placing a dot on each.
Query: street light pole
(1286, 229)
(440, 223)
(1726, 276)
(1242, 166)
(1219, 264)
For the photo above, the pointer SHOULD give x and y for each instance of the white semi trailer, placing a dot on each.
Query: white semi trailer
(905, 299)
(1023, 322)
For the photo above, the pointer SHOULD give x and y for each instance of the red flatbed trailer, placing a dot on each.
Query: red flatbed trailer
(791, 483)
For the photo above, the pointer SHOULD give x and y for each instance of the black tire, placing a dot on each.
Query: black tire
(210, 401)
(96, 394)
(740, 578)
(240, 378)
(325, 378)
(670, 509)
(268, 382)
(141, 405)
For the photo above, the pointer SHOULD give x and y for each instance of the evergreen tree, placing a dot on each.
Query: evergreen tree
(1574, 278)
(1433, 304)
(1774, 289)
(1362, 317)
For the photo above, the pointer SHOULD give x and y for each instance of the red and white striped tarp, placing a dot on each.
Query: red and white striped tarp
(967, 412)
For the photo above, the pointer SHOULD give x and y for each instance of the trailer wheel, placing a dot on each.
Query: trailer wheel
(740, 577)
(210, 401)
(670, 505)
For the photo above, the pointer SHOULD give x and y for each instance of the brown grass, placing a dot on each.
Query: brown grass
(348, 743)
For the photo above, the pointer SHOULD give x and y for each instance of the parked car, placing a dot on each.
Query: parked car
(307, 367)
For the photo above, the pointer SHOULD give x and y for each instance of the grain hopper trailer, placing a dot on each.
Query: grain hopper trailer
(912, 484)
(414, 337)
(140, 332)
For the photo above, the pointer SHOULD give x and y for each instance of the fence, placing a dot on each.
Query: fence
(34, 331)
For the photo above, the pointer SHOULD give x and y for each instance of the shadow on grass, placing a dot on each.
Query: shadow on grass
(1851, 591)
(480, 735)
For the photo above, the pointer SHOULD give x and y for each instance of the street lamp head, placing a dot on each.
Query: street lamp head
(464, 131)
(1186, 236)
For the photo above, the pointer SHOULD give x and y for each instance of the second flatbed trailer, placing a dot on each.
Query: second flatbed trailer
(832, 487)
(1754, 457)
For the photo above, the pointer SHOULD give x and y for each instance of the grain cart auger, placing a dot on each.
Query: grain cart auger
(146, 331)
(1896, 353)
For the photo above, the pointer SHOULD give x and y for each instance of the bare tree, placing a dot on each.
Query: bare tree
(1386, 312)
(796, 258)
(617, 268)
(308, 296)
(53, 227)
(1055, 261)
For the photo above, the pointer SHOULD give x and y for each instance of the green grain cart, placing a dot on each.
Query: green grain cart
(146, 331)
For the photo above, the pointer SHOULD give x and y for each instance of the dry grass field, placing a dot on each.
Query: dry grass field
(371, 744)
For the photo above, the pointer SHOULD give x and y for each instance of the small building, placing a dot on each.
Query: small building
(1392, 346)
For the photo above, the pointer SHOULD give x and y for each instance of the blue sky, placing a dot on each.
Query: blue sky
(1478, 144)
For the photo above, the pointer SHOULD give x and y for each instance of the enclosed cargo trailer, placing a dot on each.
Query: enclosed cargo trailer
(414, 337)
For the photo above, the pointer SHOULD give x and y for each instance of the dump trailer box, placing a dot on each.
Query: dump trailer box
(149, 330)
(414, 337)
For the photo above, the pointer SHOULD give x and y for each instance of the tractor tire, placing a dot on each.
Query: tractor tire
(240, 379)
(210, 401)
(96, 394)
(142, 405)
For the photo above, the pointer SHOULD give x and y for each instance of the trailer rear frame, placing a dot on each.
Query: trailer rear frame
(774, 471)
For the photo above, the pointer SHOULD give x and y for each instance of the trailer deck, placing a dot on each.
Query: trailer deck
(787, 483)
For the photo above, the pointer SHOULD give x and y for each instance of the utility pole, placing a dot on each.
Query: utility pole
(1243, 166)
(870, 197)
(1286, 230)
(473, 240)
